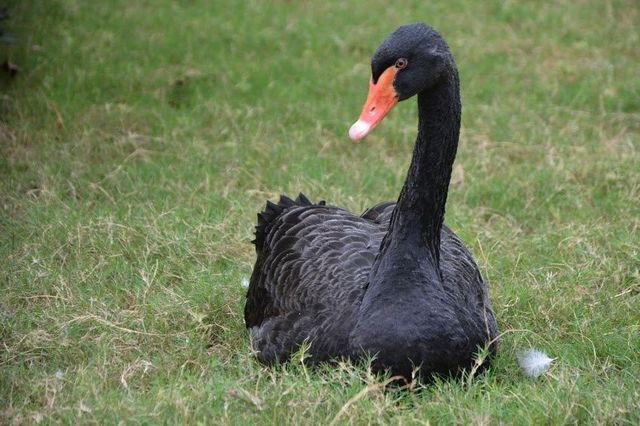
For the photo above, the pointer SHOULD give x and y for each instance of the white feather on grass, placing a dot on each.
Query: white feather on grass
(533, 362)
(244, 282)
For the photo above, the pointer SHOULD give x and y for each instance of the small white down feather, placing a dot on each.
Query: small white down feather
(244, 282)
(533, 362)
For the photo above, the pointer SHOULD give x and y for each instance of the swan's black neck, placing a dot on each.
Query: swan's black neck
(420, 208)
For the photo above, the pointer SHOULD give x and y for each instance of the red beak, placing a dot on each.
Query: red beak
(381, 98)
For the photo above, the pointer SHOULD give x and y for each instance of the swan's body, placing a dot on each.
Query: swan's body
(393, 282)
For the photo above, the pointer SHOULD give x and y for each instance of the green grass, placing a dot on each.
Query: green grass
(140, 138)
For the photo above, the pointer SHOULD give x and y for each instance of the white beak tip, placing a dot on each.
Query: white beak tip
(359, 130)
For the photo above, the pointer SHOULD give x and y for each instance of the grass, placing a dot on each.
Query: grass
(139, 139)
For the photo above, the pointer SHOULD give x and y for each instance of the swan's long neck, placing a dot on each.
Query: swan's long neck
(420, 208)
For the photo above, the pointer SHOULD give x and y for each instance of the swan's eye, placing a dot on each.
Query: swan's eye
(401, 63)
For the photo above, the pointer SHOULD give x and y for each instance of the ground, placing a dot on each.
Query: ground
(139, 139)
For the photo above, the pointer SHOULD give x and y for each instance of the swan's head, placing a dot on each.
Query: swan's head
(412, 59)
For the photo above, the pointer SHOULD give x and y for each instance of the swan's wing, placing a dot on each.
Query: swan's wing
(464, 282)
(311, 256)
(311, 269)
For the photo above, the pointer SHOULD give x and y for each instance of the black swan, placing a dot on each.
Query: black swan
(393, 283)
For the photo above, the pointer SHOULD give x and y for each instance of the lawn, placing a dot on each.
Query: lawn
(139, 139)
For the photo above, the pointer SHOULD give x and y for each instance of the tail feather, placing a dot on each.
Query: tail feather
(271, 211)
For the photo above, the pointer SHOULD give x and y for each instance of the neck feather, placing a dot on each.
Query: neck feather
(419, 212)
